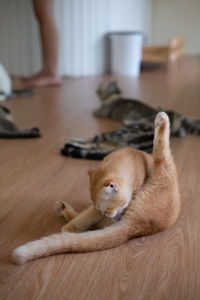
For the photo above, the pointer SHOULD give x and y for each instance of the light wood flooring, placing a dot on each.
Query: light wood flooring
(33, 175)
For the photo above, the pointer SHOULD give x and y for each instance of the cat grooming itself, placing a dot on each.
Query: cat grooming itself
(141, 190)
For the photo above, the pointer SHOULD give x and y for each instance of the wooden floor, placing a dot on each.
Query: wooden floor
(34, 175)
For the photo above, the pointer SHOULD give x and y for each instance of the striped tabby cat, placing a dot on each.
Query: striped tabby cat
(8, 128)
(138, 126)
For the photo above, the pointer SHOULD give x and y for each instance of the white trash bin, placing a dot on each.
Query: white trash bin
(125, 53)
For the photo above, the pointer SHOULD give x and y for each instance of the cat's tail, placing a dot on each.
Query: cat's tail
(106, 238)
(84, 149)
(20, 133)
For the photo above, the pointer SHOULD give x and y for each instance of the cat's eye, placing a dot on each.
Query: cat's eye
(110, 186)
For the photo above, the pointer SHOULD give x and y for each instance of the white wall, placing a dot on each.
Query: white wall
(82, 25)
(131, 15)
(19, 40)
(177, 17)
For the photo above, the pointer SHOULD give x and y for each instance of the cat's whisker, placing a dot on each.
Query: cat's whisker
(117, 218)
(114, 220)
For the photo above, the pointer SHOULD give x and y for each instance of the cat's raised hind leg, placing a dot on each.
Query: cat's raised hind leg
(161, 148)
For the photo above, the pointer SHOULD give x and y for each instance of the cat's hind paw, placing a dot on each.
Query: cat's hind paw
(161, 137)
(162, 120)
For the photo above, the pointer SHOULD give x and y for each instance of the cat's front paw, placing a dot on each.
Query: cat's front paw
(59, 207)
(69, 228)
(64, 210)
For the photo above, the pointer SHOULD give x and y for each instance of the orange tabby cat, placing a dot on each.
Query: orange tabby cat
(117, 188)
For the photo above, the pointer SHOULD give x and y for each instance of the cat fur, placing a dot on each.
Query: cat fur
(153, 207)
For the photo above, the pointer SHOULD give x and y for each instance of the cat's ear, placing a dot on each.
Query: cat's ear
(90, 173)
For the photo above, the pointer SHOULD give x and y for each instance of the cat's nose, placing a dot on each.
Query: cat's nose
(111, 213)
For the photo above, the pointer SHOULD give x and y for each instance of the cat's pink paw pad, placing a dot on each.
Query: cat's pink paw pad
(161, 119)
(59, 206)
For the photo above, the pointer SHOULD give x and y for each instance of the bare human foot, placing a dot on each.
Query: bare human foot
(42, 79)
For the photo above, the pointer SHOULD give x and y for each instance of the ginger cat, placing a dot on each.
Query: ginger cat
(118, 187)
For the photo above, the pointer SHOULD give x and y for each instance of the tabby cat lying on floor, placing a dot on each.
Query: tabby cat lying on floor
(8, 129)
(136, 193)
(137, 132)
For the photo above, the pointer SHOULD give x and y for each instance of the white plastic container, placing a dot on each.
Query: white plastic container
(5, 84)
(125, 53)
